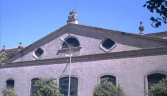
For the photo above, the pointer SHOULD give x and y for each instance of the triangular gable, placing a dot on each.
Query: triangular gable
(125, 41)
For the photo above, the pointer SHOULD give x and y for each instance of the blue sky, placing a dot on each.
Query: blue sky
(27, 21)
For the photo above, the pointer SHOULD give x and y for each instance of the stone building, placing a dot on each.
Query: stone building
(135, 61)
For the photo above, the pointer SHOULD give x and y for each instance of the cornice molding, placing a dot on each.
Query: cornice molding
(94, 57)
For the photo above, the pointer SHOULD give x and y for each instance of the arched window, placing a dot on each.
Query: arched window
(63, 84)
(110, 78)
(33, 88)
(73, 42)
(10, 83)
(154, 78)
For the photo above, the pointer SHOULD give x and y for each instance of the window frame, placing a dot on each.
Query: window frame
(154, 77)
(68, 83)
(146, 80)
(35, 56)
(103, 48)
(68, 43)
(13, 85)
(103, 76)
(31, 84)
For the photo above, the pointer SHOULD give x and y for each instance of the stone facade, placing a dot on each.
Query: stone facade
(132, 59)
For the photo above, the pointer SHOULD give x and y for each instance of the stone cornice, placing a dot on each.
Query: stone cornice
(94, 57)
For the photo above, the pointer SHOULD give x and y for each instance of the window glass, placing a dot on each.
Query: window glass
(72, 43)
(63, 84)
(39, 52)
(154, 79)
(110, 78)
(10, 83)
(33, 88)
(108, 43)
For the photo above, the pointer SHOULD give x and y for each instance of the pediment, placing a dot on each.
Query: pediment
(91, 41)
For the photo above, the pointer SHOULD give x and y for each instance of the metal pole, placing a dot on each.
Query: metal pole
(69, 66)
(69, 70)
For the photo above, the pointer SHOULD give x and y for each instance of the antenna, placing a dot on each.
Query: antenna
(0, 30)
(0, 39)
(75, 6)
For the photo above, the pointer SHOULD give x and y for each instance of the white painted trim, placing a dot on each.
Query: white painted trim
(35, 56)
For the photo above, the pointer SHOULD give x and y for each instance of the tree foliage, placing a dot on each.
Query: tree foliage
(106, 88)
(159, 89)
(3, 58)
(160, 7)
(46, 87)
(9, 92)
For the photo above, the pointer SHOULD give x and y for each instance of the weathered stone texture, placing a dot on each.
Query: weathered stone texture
(129, 73)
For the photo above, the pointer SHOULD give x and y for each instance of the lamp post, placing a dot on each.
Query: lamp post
(69, 66)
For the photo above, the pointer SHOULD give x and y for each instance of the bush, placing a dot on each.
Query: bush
(106, 88)
(46, 87)
(3, 58)
(159, 89)
(9, 92)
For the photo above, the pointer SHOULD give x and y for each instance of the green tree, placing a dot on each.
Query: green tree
(160, 7)
(3, 58)
(9, 92)
(106, 88)
(159, 89)
(46, 87)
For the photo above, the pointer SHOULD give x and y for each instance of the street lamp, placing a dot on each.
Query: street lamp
(69, 66)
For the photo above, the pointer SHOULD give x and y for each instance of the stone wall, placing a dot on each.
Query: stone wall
(130, 73)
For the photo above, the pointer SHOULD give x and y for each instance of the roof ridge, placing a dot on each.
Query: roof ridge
(122, 32)
(157, 32)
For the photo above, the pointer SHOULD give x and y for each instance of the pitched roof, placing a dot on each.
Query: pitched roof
(12, 51)
(96, 28)
(162, 35)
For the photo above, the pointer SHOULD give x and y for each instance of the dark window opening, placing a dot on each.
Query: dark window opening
(72, 43)
(110, 79)
(10, 83)
(33, 87)
(108, 43)
(154, 79)
(38, 52)
(63, 84)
